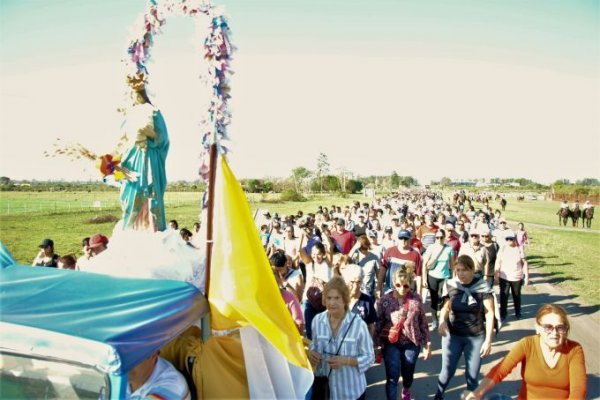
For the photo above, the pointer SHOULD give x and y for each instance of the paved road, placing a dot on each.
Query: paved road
(585, 328)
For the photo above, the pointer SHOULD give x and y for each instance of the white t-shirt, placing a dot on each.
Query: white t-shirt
(321, 271)
(510, 263)
(291, 247)
(165, 382)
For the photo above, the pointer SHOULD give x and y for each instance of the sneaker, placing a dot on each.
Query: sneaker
(406, 394)
(434, 325)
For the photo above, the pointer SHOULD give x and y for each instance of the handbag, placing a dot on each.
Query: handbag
(314, 293)
(396, 330)
(320, 388)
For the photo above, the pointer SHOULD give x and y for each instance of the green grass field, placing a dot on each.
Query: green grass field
(568, 257)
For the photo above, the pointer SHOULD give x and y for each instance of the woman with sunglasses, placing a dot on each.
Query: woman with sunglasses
(437, 260)
(512, 272)
(403, 331)
(553, 367)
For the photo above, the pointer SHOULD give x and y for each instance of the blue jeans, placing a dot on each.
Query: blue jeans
(453, 346)
(399, 359)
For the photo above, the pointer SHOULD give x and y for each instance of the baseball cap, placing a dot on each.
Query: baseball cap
(372, 233)
(388, 229)
(97, 240)
(509, 235)
(404, 234)
(449, 227)
(341, 222)
(46, 243)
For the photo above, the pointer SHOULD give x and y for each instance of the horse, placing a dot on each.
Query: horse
(575, 215)
(503, 203)
(586, 217)
(563, 214)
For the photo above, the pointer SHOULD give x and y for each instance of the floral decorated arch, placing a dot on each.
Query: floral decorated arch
(217, 52)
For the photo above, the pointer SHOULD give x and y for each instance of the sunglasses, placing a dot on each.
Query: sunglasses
(560, 329)
(399, 285)
(439, 237)
(474, 236)
(509, 239)
(486, 236)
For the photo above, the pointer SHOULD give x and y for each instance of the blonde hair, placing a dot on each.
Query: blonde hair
(404, 274)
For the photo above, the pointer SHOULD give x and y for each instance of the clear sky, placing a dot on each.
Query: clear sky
(463, 89)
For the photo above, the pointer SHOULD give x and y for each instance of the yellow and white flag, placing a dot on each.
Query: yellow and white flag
(243, 293)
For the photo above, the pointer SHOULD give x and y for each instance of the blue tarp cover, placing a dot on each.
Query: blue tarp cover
(6, 258)
(92, 313)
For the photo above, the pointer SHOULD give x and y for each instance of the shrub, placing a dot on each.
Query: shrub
(291, 195)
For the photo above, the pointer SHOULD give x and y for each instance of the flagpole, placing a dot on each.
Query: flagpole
(209, 212)
(212, 172)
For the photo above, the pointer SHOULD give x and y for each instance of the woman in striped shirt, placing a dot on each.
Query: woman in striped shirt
(342, 348)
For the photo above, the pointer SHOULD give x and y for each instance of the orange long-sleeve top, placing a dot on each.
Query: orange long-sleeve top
(567, 380)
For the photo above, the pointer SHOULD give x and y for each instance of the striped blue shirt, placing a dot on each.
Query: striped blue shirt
(347, 382)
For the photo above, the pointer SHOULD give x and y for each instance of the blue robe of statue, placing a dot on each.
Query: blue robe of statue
(142, 201)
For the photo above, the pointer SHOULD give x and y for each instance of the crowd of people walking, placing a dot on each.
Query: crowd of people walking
(395, 255)
(357, 278)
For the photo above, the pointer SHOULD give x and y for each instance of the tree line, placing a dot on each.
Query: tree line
(321, 179)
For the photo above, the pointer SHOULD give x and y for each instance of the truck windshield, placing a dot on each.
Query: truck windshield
(23, 377)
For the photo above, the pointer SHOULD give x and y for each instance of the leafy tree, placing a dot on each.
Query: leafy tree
(322, 168)
(395, 180)
(561, 182)
(583, 182)
(344, 173)
(267, 186)
(254, 186)
(4, 180)
(354, 186)
(408, 181)
(445, 181)
(331, 183)
(299, 174)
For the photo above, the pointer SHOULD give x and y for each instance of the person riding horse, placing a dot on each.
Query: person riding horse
(503, 203)
(587, 215)
(563, 213)
(575, 214)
